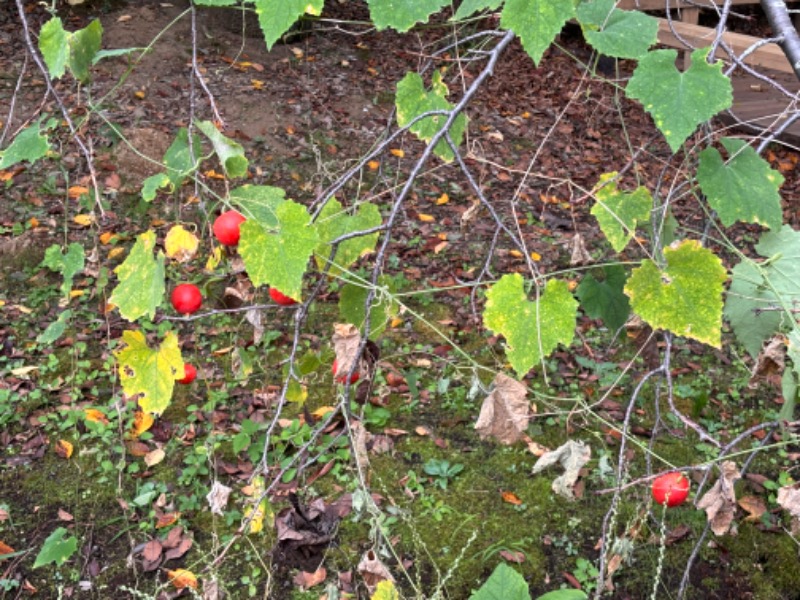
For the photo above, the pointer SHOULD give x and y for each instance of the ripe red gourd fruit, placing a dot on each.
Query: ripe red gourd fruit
(226, 227)
(341, 378)
(189, 374)
(671, 489)
(280, 298)
(186, 298)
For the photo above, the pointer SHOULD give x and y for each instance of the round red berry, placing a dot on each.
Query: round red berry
(186, 298)
(671, 489)
(226, 227)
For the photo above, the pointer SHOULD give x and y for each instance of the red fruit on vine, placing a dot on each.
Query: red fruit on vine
(671, 489)
(189, 374)
(226, 227)
(186, 298)
(280, 298)
(341, 378)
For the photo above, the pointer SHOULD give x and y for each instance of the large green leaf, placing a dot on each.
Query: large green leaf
(179, 159)
(536, 22)
(84, 44)
(469, 7)
(620, 212)
(532, 329)
(276, 17)
(744, 188)
(57, 548)
(147, 372)
(614, 32)
(413, 100)
(29, 145)
(68, 264)
(334, 222)
(61, 49)
(278, 254)
(258, 202)
(503, 584)
(685, 297)
(605, 299)
(679, 102)
(54, 46)
(758, 292)
(402, 15)
(352, 301)
(230, 154)
(141, 280)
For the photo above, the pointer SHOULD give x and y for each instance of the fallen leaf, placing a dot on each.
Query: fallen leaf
(373, 571)
(753, 505)
(505, 411)
(83, 220)
(514, 556)
(789, 499)
(306, 581)
(182, 578)
(578, 253)
(770, 363)
(218, 497)
(95, 416)
(142, 421)
(397, 152)
(64, 448)
(181, 245)
(154, 457)
(5, 549)
(167, 519)
(64, 515)
(572, 456)
(510, 497)
(152, 551)
(720, 501)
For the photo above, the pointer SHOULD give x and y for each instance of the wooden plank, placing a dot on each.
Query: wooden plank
(675, 4)
(769, 56)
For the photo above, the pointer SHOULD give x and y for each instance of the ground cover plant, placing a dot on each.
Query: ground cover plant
(392, 299)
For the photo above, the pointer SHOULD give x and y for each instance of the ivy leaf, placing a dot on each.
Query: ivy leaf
(685, 297)
(57, 549)
(334, 222)
(258, 202)
(412, 100)
(352, 299)
(54, 46)
(605, 299)
(503, 584)
(141, 280)
(536, 22)
(620, 212)
(149, 372)
(278, 254)
(614, 32)
(754, 288)
(532, 329)
(68, 264)
(402, 15)
(84, 44)
(29, 145)
(469, 7)
(277, 17)
(679, 102)
(152, 184)
(230, 153)
(743, 189)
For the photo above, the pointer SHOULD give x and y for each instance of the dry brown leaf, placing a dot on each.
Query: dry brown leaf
(514, 556)
(152, 551)
(346, 339)
(5, 549)
(306, 581)
(770, 362)
(505, 412)
(64, 448)
(218, 498)
(572, 456)
(182, 578)
(720, 501)
(373, 571)
(578, 253)
(154, 457)
(754, 505)
(789, 499)
(64, 515)
(510, 497)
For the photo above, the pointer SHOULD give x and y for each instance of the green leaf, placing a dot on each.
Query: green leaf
(152, 184)
(84, 44)
(620, 212)
(215, 2)
(57, 549)
(754, 288)
(469, 7)
(679, 102)
(277, 17)
(334, 222)
(503, 584)
(564, 595)
(56, 329)
(141, 280)
(743, 189)
(115, 53)
(385, 590)
(178, 158)
(230, 153)
(147, 372)
(54, 46)
(614, 32)
(278, 254)
(241, 441)
(685, 297)
(258, 202)
(532, 329)
(605, 299)
(791, 376)
(69, 264)
(402, 15)
(29, 145)
(412, 100)
(352, 299)
(536, 22)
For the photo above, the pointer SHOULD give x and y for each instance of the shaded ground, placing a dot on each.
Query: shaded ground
(304, 112)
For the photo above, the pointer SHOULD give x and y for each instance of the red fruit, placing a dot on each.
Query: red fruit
(189, 373)
(341, 378)
(226, 227)
(671, 489)
(280, 298)
(186, 298)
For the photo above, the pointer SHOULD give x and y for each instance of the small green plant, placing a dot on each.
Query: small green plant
(586, 573)
(442, 471)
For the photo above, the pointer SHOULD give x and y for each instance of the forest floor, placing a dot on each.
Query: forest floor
(451, 505)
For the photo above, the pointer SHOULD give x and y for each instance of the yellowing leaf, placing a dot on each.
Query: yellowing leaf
(83, 220)
(182, 578)
(385, 590)
(260, 513)
(322, 411)
(140, 94)
(76, 293)
(115, 252)
(510, 497)
(141, 280)
(257, 84)
(396, 322)
(142, 421)
(397, 152)
(76, 191)
(516, 253)
(33, 222)
(426, 218)
(373, 165)
(443, 199)
(181, 245)
(149, 373)
(214, 259)
(535, 256)
(64, 448)
(106, 237)
(96, 416)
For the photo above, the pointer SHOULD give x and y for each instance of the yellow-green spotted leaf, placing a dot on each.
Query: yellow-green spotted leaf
(385, 590)
(532, 329)
(685, 297)
(620, 212)
(402, 15)
(147, 372)
(536, 22)
(181, 245)
(615, 32)
(277, 254)
(679, 102)
(334, 222)
(141, 280)
(276, 17)
(413, 100)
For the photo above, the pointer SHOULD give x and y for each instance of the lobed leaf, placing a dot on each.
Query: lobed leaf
(333, 222)
(402, 15)
(618, 213)
(536, 22)
(615, 32)
(277, 17)
(141, 280)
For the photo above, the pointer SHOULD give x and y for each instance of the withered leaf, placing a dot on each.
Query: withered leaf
(218, 497)
(346, 339)
(578, 253)
(373, 571)
(572, 456)
(306, 581)
(754, 505)
(505, 411)
(720, 501)
(770, 362)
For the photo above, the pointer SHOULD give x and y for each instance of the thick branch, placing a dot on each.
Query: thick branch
(781, 23)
